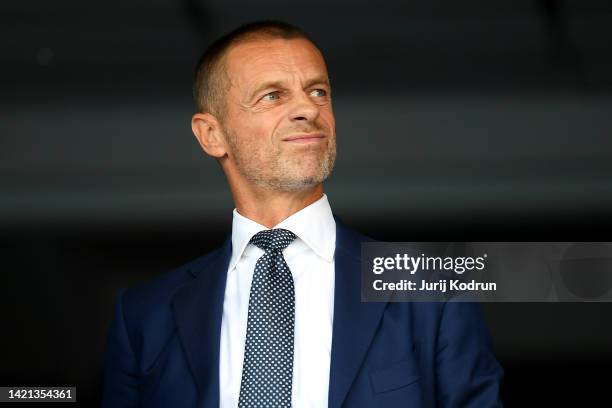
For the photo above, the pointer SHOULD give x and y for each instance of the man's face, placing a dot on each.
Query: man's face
(278, 120)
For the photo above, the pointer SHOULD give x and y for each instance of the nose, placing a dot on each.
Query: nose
(304, 108)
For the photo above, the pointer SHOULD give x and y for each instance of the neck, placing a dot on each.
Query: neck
(269, 208)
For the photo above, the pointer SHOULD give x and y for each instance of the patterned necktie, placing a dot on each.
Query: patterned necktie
(267, 372)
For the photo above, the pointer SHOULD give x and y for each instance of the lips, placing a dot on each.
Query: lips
(304, 138)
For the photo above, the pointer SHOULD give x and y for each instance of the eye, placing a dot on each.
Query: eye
(272, 96)
(319, 92)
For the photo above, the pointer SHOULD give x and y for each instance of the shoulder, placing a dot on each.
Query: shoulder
(158, 292)
(429, 314)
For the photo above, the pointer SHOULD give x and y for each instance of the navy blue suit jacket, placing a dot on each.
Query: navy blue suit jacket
(163, 345)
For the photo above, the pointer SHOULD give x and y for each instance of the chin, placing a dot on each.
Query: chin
(303, 175)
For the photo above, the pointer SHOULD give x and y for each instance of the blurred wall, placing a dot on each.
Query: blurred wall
(469, 120)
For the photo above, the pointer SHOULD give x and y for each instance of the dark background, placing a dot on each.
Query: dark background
(457, 120)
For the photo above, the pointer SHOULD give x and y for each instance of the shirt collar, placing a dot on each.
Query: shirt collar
(314, 224)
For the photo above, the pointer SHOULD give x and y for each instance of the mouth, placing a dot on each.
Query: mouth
(304, 138)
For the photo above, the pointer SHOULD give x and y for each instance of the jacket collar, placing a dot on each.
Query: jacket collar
(355, 322)
(198, 308)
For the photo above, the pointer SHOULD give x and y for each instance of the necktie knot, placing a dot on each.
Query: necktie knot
(277, 238)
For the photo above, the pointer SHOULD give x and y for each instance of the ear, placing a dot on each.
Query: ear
(207, 130)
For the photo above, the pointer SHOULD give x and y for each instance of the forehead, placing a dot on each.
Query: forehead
(272, 59)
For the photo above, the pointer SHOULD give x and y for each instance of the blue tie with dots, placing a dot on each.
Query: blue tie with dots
(267, 372)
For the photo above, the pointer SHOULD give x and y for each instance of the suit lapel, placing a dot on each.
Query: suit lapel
(198, 310)
(355, 322)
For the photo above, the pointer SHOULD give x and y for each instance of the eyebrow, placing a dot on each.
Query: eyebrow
(318, 80)
(280, 84)
(265, 85)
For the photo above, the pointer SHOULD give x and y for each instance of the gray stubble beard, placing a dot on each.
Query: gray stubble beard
(277, 179)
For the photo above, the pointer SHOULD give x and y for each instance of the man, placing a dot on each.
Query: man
(274, 317)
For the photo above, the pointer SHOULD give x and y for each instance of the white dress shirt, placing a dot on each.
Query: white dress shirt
(311, 260)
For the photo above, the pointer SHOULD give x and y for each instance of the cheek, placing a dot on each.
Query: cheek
(246, 129)
(264, 125)
(328, 117)
(253, 138)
